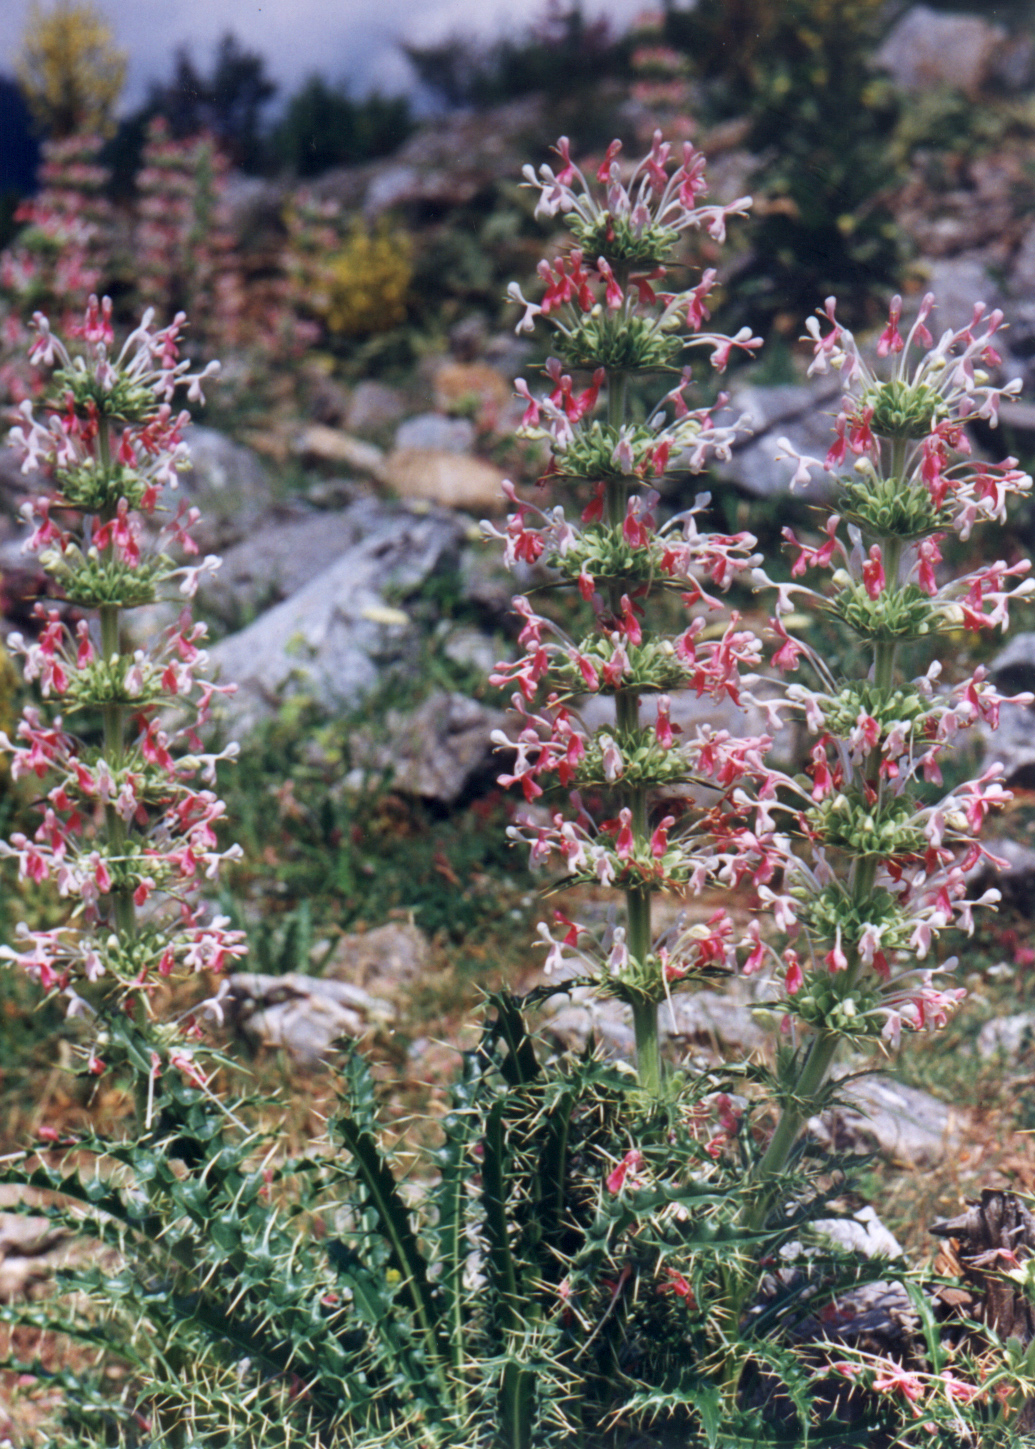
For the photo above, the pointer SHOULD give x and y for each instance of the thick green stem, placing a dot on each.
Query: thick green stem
(123, 909)
(627, 721)
(648, 1048)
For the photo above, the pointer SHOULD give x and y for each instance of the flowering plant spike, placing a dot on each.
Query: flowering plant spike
(612, 319)
(883, 854)
(128, 821)
(870, 868)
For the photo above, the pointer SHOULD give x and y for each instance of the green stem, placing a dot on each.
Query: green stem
(639, 936)
(648, 1048)
(113, 716)
(823, 1050)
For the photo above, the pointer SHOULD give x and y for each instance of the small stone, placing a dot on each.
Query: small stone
(319, 444)
(471, 384)
(435, 430)
(303, 1015)
(436, 752)
(394, 956)
(1011, 1036)
(329, 402)
(373, 406)
(448, 479)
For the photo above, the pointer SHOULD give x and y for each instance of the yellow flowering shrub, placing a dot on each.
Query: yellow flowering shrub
(368, 281)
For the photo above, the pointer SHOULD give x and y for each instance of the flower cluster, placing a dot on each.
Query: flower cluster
(129, 823)
(616, 555)
(183, 240)
(890, 855)
(864, 860)
(59, 256)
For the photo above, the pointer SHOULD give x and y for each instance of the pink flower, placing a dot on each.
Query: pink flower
(184, 1063)
(891, 339)
(632, 1162)
(659, 840)
(928, 557)
(794, 978)
(624, 841)
(873, 572)
(756, 957)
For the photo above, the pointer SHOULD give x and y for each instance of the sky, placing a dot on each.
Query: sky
(344, 40)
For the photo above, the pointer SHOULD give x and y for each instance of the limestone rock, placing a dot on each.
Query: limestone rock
(230, 486)
(1010, 1035)
(804, 414)
(279, 558)
(1016, 879)
(435, 430)
(374, 405)
(435, 752)
(862, 1233)
(957, 283)
(472, 648)
(320, 444)
(304, 1015)
(14, 484)
(908, 1125)
(30, 1249)
(1013, 743)
(336, 637)
(393, 956)
(928, 49)
(717, 1021)
(458, 384)
(570, 1020)
(448, 479)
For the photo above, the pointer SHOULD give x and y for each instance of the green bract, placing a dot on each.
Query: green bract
(654, 667)
(93, 580)
(122, 399)
(833, 911)
(644, 761)
(901, 507)
(891, 617)
(903, 409)
(621, 243)
(904, 707)
(92, 488)
(103, 682)
(604, 553)
(619, 343)
(867, 829)
(832, 1002)
(590, 453)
